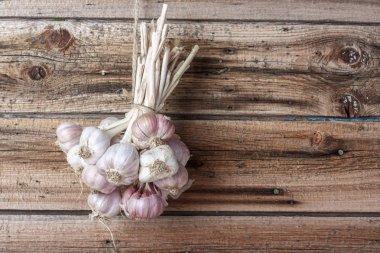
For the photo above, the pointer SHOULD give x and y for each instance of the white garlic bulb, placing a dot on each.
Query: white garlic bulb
(68, 134)
(105, 123)
(105, 205)
(182, 190)
(157, 163)
(93, 143)
(180, 149)
(74, 159)
(93, 179)
(120, 164)
(174, 183)
(150, 130)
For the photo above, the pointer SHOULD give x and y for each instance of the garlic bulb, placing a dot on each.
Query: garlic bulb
(182, 190)
(105, 123)
(105, 205)
(150, 130)
(180, 149)
(74, 159)
(174, 183)
(142, 204)
(157, 163)
(68, 134)
(93, 179)
(127, 194)
(120, 164)
(93, 143)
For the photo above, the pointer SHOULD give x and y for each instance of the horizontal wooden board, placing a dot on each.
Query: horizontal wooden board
(237, 166)
(241, 69)
(54, 233)
(331, 10)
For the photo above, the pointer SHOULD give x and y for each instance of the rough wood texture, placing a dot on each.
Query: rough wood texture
(324, 11)
(249, 166)
(190, 234)
(242, 68)
(262, 65)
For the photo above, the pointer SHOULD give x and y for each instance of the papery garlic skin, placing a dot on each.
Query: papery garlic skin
(165, 128)
(93, 143)
(128, 193)
(68, 134)
(179, 148)
(157, 163)
(93, 179)
(105, 205)
(174, 183)
(105, 123)
(150, 130)
(74, 159)
(180, 191)
(143, 205)
(120, 164)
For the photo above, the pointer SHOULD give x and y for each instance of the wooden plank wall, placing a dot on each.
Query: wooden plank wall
(281, 111)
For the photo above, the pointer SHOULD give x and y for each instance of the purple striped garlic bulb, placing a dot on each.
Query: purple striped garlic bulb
(120, 164)
(174, 183)
(142, 203)
(93, 179)
(93, 143)
(157, 163)
(105, 205)
(179, 148)
(151, 130)
(68, 134)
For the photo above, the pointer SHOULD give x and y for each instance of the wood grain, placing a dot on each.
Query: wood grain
(322, 11)
(190, 234)
(242, 68)
(249, 166)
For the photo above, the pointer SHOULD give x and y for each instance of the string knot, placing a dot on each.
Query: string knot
(144, 108)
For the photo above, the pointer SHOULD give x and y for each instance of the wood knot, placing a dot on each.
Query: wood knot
(60, 39)
(349, 55)
(37, 73)
(317, 138)
(229, 50)
(353, 56)
(350, 106)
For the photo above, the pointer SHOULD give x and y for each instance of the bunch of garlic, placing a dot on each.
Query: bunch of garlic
(134, 164)
(151, 167)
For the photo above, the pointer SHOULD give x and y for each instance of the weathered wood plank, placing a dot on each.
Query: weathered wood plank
(248, 166)
(54, 233)
(332, 10)
(244, 68)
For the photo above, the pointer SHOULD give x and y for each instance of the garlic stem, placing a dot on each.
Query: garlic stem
(118, 126)
(187, 62)
(157, 79)
(164, 69)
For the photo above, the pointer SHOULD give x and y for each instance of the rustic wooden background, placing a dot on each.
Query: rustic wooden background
(281, 110)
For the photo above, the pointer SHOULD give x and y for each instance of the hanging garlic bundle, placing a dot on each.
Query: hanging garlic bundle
(149, 159)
